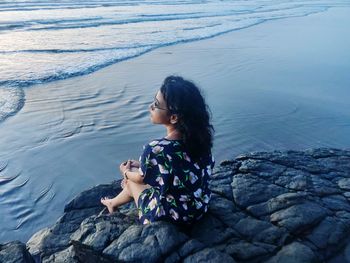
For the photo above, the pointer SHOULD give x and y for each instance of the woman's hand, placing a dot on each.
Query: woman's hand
(125, 166)
(135, 163)
(127, 173)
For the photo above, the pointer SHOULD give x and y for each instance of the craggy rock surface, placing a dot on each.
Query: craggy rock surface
(265, 207)
(15, 252)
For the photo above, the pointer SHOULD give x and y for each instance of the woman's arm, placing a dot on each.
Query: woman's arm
(131, 174)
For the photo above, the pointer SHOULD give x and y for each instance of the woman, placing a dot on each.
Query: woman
(171, 179)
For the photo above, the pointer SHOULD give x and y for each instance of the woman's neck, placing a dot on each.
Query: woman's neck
(173, 134)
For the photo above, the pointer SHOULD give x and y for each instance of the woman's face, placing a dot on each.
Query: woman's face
(158, 110)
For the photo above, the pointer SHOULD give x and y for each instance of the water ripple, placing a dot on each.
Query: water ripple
(4, 180)
(3, 165)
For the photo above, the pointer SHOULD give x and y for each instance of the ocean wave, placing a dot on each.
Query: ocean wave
(55, 51)
(53, 5)
(12, 26)
(109, 35)
(71, 23)
(103, 58)
(34, 5)
(201, 27)
(84, 61)
(97, 58)
(127, 21)
(101, 61)
(170, 14)
(63, 20)
(35, 22)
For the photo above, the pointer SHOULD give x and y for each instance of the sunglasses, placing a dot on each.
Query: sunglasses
(155, 105)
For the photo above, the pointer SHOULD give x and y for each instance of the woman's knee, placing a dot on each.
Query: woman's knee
(135, 188)
(131, 187)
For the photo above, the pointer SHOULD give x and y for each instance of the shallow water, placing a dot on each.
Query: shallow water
(44, 41)
(280, 85)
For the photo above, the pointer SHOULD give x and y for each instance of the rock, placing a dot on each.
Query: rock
(77, 253)
(15, 252)
(99, 231)
(250, 189)
(323, 187)
(243, 251)
(343, 256)
(124, 240)
(154, 240)
(279, 202)
(221, 186)
(209, 255)
(329, 234)
(347, 253)
(190, 247)
(261, 231)
(290, 206)
(300, 217)
(344, 183)
(173, 258)
(57, 238)
(294, 180)
(146, 253)
(262, 167)
(336, 202)
(65, 256)
(212, 231)
(233, 213)
(295, 252)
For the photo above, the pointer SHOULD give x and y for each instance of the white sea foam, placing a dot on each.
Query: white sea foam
(11, 100)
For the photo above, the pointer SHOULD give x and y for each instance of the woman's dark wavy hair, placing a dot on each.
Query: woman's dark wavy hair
(185, 99)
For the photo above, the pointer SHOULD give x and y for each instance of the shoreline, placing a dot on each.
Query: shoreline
(66, 132)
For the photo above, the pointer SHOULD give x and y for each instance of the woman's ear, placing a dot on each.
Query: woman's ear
(174, 118)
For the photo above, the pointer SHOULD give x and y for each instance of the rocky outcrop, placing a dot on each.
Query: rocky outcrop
(265, 207)
(15, 252)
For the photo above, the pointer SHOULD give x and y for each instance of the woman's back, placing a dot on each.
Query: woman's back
(180, 184)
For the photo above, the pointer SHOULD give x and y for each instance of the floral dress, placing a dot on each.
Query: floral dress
(179, 190)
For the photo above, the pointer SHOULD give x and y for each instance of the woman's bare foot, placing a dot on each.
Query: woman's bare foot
(108, 203)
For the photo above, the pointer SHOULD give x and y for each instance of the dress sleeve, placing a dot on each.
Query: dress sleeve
(146, 163)
(155, 167)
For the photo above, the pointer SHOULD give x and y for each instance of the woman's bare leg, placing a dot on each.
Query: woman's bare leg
(136, 189)
(130, 191)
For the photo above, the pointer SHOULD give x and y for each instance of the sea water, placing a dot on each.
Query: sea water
(43, 41)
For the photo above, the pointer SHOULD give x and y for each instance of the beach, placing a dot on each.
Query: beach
(279, 85)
